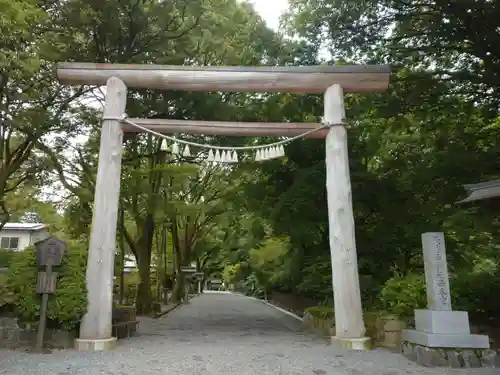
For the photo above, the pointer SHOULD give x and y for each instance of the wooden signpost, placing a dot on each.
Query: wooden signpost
(49, 253)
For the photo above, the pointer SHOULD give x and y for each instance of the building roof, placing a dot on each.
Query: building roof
(482, 191)
(24, 226)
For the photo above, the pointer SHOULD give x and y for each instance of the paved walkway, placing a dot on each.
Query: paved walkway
(220, 334)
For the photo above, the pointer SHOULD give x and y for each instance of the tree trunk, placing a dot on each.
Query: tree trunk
(179, 288)
(144, 301)
(179, 285)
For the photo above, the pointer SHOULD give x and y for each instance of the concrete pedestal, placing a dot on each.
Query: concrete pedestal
(452, 322)
(363, 343)
(444, 329)
(88, 345)
(445, 340)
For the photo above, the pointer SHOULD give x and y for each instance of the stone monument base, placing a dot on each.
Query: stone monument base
(443, 339)
(88, 345)
(450, 357)
(446, 340)
(442, 321)
(444, 329)
(363, 343)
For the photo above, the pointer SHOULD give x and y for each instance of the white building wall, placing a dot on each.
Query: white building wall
(26, 238)
(38, 236)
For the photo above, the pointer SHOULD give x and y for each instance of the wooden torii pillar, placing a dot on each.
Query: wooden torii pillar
(333, 81)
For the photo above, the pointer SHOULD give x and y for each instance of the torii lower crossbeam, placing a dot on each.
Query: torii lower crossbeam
(226, 128)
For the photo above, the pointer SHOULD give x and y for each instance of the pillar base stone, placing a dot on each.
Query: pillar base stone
(95, 345)
(362, 343)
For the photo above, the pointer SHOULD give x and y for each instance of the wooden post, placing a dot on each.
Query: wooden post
(43, 308)
(186, 291)
(122, 254)
(95, 329)
(165, 264)
(349, 324)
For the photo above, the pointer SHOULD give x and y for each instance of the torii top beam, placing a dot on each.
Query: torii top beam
(294, 79)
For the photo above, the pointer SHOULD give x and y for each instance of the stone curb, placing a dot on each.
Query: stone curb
(283, 310)
(163, 313)
(177, 305)
(271, 305)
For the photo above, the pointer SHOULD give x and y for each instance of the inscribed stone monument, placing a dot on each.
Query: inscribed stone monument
(436, 272)
(438, 326)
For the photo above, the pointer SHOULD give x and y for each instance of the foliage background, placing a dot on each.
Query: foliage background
(66, 306)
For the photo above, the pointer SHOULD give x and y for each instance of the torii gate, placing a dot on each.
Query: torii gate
(333, 81)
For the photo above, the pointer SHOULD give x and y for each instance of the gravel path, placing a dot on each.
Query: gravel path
(219, 334)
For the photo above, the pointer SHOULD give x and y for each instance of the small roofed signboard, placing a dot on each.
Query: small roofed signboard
(49, 251)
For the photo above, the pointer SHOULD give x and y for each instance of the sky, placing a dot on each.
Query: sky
(270, 10)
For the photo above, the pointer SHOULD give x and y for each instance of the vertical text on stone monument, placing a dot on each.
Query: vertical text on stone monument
(436, 271)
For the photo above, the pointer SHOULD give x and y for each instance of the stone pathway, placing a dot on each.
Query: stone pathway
(219, 334)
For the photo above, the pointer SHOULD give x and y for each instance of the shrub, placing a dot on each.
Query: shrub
(130, 283)
(402, 294)
(123, 314)
(5, 258)
(370, 291)
(67, 305)
(470, 292)
(6, 296)
(473, 292)
(321, 312)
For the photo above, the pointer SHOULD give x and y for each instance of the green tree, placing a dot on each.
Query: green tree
(32, 104)
(179, 32)
(453, 41)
